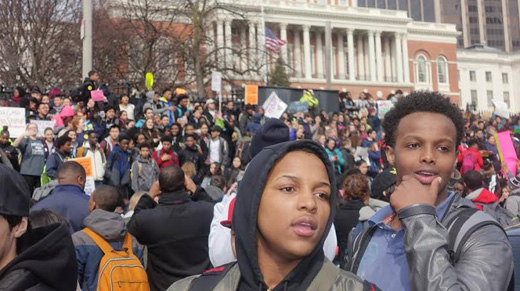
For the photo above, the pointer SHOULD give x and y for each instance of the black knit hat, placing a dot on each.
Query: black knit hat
(14, 193)
(274, 131)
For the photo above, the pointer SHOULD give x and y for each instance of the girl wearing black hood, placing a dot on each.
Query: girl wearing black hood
(288, 196)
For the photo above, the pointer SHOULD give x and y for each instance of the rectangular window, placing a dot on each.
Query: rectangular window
(506, 98)
(490, 98)
(489, 77)
(472, 76)
(505, 78)
(474, 97)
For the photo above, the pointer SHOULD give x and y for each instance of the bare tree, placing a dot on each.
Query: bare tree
(172, 39)
(39, 42)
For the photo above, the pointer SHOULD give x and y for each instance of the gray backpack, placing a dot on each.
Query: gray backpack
(503, 216)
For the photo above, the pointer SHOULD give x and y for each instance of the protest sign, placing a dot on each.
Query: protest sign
(216, 82)
(501, 109)
(274, 107)
(86, 163)
(251, 94)
(97, 95)
(383, 106)
(297, 106)
(42, 125)
(14, 119)
(506, 150)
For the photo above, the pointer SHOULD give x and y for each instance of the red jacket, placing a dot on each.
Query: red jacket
(482, 196)
(173, 161)
(479, 162)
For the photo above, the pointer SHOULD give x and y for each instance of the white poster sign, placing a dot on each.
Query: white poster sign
(216, 81)
(14, 119)
(383, 107)
(43, 124)
(501, 108)
(274, 107)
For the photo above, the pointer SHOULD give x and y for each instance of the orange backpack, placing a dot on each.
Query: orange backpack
(119, 270)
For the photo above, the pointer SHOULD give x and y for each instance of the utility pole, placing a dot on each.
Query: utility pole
(86, 36)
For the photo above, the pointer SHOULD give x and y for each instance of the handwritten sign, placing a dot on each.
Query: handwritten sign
(97, 95)
(86, 163)
(274, 107)
(251, 94)
(14, 118)
(216, 81)
(297, 106)
(42, 125)
(383, 107)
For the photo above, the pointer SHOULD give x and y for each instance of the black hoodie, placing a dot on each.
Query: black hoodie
(245, 220)
(46, 260)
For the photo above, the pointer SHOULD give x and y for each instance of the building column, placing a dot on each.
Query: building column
(307, 51)
(379, 57)
(505, 17)
(220, 43)
(283, 36)
(399, 57)
(297, 54)
(252, 46)
(260, 34)
(372, 56)
(351, 60)
(341, 57)
(361, 58)
(388, 62)
(319, 55)
(243, 47)
(228, 52)
(366, 60)
(406, 62)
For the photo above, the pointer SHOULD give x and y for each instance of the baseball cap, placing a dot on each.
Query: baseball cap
(382, 182)
(227, 223)
(210, 101)
(14, 193)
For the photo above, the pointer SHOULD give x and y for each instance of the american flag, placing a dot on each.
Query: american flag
(272, 42)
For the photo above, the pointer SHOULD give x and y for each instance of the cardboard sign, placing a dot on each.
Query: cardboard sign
(14, 119)
(97, 95)
(86, 163)
(42, 125)
(252, 94)
(274, 107)
(216, 81)
(383, 107)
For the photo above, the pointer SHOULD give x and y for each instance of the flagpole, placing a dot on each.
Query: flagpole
(265, 47)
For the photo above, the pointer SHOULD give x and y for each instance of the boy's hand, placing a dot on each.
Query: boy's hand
(411, 191)
(166, 158)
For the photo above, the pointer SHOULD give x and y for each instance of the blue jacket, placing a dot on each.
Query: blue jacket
(118, 167)
(112, 228)
(54, 162)
(69, 201)
(375, 158)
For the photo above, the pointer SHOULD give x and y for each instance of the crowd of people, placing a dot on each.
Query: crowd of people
(179, 185)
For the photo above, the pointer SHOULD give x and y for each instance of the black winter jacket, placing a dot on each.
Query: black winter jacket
(176, 233)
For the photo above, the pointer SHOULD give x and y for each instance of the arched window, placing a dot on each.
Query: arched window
(442, 70)
(422, 71)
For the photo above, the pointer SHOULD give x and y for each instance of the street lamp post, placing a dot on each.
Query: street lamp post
(86, 36)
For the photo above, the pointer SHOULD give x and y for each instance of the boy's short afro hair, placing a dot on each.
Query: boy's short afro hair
(422, 101)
